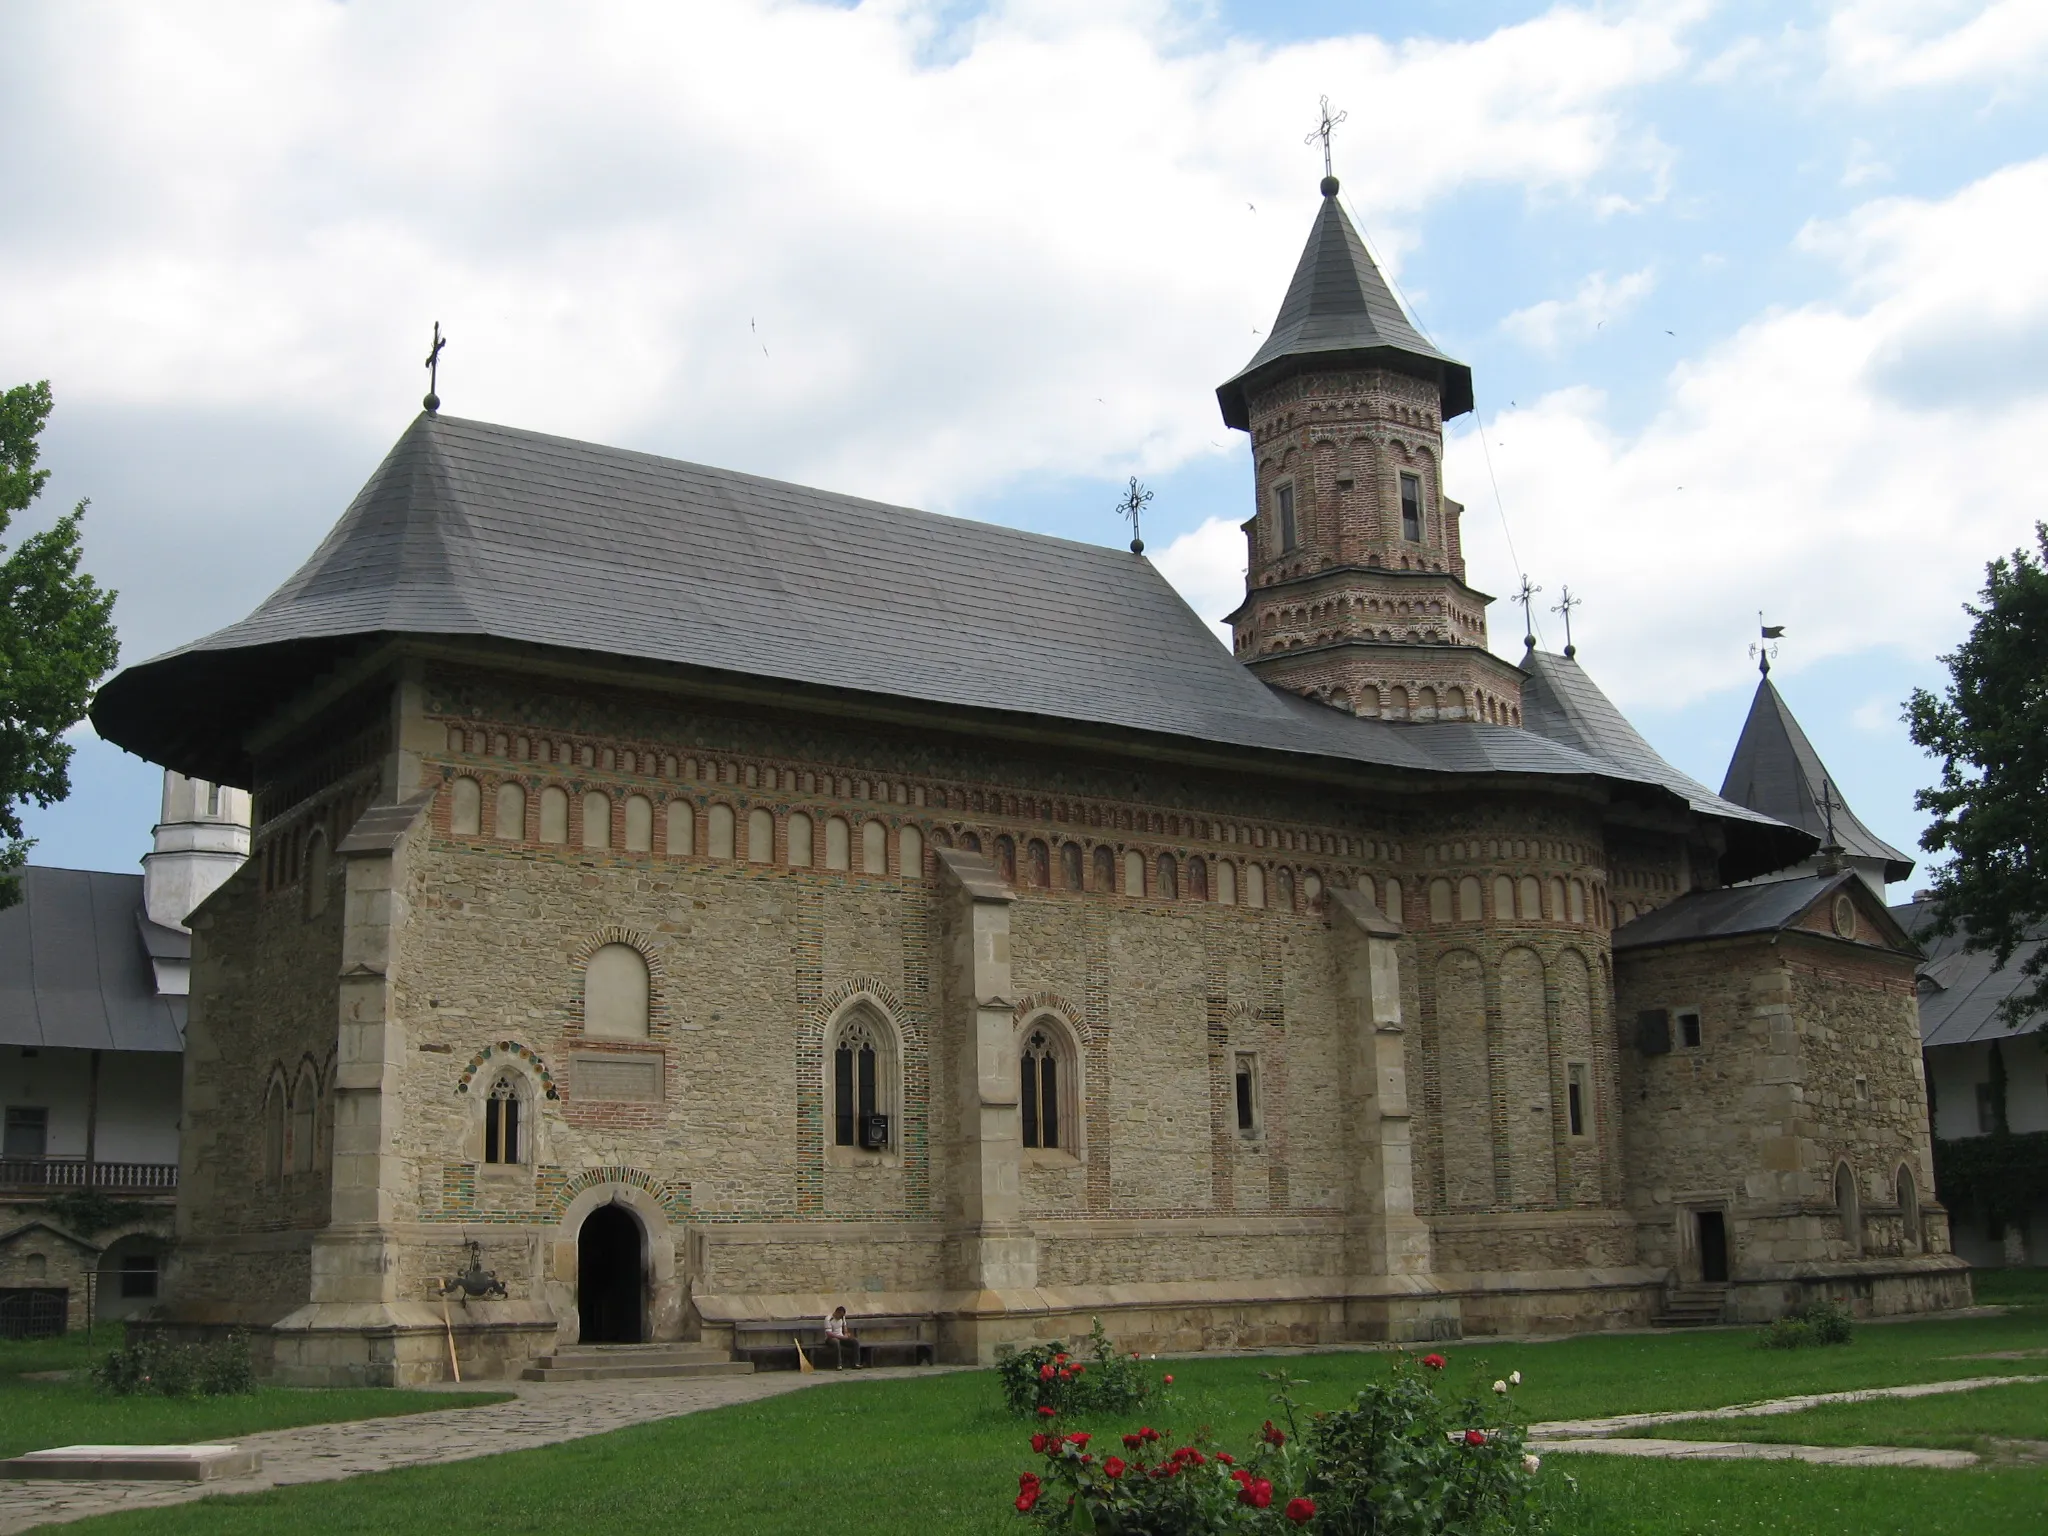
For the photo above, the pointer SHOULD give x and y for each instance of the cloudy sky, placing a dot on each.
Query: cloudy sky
(1756, 295)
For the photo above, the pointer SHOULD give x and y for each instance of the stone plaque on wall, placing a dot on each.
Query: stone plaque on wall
(617, 1077)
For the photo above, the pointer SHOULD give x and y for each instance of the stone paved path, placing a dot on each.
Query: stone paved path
(1748, 1450)
(1572, 1429)
(543, 1413)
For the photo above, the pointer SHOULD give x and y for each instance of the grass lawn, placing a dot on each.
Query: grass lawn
(2011, 1287)
(1962, 1421)
(36, 1415)
(936, 1454)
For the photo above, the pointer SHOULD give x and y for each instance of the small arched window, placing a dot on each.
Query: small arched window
(1286, 889)
(597, 820)
(510, 821)
(760, 836)
(910, 853)
(1391, 903)
(838, 844)
(1255, 885)
(1503, 899)
(554, 814)
(1468, 899)
(305, 1120)
(1226, 883)
(465, 807)
(504, 1136)
(799, 839)
(615, 993)
(1169, 878)
(1198, 880)
(1556, 894)
(1038, 864)
(1006, 858)
(1529, 899)
(682, 828)
(639, 824)
(720, 829)
(863, 1060)
(1134, 872)
(1045, 1079)
(874, 849)
(1105, 867)
(1848, 1207)
(1576, 901)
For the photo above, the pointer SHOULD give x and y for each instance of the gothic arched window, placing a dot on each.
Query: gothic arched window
(504, 1136)
(274, 1131)
(305, 1120)
(1045, 1080)
(863, 1062)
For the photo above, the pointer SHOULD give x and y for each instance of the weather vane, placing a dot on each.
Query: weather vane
(1134, 502)
(1564, 609)
(1762, 651)
(433, 400)
(1526, 596)
(1322, 131)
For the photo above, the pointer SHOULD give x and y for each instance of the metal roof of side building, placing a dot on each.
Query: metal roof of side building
(75, 966)
(1962, 991)
(1769, 907)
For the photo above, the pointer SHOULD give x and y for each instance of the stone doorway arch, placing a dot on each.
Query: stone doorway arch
(611, 1277)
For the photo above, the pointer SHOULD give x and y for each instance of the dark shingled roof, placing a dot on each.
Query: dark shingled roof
(486, 532)
(1339, 313)
(1734, 911)
(1961, 989)
(1776, 771)
(1560, 701)
(74, 971)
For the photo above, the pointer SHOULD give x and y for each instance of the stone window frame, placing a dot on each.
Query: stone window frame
(274, 1126)
(1848, 1202)
(1680, 1012)
(1286, 517)
(889, 1081)
(1248, 1091)
(302, 1120)
(1064, 1035)
(1578, 1099)
(657, 982)
(533, 1094)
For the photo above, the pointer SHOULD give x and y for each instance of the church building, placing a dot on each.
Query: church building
(719, 900)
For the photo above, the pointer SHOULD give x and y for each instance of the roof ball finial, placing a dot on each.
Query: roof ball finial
(1329, 186)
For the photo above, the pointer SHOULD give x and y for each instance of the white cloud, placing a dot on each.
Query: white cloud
(1864, 166)
(1848, 466)
(950, 244)
(1875, 46)
(1206, 566)
(1876, 715)
(1549, 325)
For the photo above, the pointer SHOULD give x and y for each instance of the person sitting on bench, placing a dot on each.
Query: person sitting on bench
(839, 1334)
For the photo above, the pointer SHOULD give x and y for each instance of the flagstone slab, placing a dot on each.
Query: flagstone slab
(135, 1463)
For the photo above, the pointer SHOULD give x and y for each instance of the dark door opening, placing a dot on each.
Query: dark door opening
(1713, 1247)
(609, 1277)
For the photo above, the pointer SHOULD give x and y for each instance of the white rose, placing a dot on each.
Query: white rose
(1531, 1463)
(1515, 1377)
(1500, 1386)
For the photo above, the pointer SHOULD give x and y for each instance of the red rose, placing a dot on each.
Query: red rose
(1257, 1492)
(1226, 1458)
(1079, 1437)
(1079, 1369)
(1040, 1441)
(1149, 1434)
(1061, 1358)
(1114, 1466)
(1239, 1475)
(1168, 1380)
(1301, 1511)
(1045, 1413)
(1475, 1437)
(1027, 1482)
(1435, 1362)
(1271, 1435)
(1132, 1442)
(1026, 1500)
(1045, 1373)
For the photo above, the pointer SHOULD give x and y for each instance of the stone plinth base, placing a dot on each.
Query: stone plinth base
(389, 1344)
(135, 1463)
(1890, 1287)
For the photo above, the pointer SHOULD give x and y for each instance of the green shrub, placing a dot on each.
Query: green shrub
(160, 1368)
(1812, 1322)
(1048, 1376)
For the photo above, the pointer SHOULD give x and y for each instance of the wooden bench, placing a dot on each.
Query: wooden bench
(874, 1337)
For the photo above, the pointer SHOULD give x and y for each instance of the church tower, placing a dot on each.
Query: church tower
(202, 837)
(1355, 588)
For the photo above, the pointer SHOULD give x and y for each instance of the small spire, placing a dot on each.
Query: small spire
(1134, 502)
(1322, 131)
(433, 400)
(1564, 608)
(1526, 596)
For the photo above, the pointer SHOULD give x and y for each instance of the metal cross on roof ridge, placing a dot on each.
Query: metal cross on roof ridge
(1566, 603)
(1827, 809)
(433, 400)
(1526, 596)
(1134, 502)
(1322, 131)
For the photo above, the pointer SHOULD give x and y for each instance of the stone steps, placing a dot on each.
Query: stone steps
(634, 1362)
(1694, 1306)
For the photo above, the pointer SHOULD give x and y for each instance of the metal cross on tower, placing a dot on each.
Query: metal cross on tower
(1135, 501)
(1526, 596)
(1322, 131)
(1566, 603)
(433, 400)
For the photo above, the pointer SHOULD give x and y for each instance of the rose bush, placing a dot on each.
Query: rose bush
(1403, 1459)
(1051, 1376)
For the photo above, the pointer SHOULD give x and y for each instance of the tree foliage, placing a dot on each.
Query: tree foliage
(56, 636)
(1989, 728)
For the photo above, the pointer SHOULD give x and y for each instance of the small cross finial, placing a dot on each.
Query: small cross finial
(433, 400)
(1566, 603)
(1135, 501)
(1526, 596)
(1767, 647)
(1322, 131)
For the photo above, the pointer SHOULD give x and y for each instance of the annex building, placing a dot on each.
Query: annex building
(721, 900)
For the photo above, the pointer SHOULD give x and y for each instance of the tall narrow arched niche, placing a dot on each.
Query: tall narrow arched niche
(616, 993)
